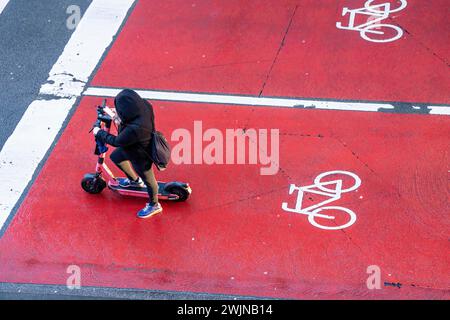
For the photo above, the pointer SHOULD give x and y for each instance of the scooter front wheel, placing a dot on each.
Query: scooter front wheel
(93, 184)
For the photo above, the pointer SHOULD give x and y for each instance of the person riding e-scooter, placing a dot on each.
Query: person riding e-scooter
(135, 118)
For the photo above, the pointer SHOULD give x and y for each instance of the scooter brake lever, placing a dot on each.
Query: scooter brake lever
(96, 124)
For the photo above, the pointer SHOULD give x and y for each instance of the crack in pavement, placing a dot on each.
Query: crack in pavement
(303, 135)
(420, 42)
(389, 186)
(280, 169)
(283, 41)
(182, 71)
(279, 50)
(355, 155)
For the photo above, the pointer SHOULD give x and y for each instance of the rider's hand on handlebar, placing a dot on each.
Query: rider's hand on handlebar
(117, 120)
(113, 114)
(110, 111)
(96, 130)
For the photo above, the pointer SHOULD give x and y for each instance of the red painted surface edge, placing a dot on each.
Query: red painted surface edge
(232, 236)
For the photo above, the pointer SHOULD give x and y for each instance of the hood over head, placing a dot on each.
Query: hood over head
(129, 105)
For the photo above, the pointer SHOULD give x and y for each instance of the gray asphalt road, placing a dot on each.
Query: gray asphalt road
(10, 291)
(33, 34)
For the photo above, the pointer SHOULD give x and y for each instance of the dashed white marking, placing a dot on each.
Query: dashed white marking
(440, 110)
(36, 131)
(3, 4)
(255, 101)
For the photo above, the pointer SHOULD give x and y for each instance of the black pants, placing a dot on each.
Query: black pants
(143, 168)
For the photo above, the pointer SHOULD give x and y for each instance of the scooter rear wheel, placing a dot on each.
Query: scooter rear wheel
(93, 184)
(182, 193)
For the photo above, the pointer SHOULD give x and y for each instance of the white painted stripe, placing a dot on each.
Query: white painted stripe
(3, 4)
(440, 110)
(36, 131)
(93, 35)
(254, 101)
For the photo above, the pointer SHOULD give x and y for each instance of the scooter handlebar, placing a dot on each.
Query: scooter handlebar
(102, 116)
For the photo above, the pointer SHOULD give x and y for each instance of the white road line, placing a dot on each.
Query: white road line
(3, 4)
(36, 131)
(255, 101)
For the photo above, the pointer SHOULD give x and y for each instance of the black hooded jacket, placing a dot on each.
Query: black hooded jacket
(135, 132)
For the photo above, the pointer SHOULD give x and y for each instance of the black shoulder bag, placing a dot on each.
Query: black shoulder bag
(159, 150)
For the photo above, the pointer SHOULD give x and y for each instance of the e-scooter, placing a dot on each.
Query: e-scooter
(94, 183)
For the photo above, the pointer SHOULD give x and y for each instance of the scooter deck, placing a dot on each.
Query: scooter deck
(140, 192)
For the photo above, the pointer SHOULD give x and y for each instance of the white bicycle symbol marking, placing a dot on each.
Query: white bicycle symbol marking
(376, 13)
(334, 194)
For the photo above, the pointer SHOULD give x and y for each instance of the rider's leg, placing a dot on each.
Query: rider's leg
(153, 207)
(119, 158)
(152, 184)
(145, 171)
(126, 167)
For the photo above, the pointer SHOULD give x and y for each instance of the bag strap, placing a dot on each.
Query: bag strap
(150, 106)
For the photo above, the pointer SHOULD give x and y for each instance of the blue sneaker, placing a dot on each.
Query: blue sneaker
(150, 211)
(127, 183)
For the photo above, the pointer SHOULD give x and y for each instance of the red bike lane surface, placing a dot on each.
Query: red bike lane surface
(236, 47)
(232, 236)
(320, 60)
